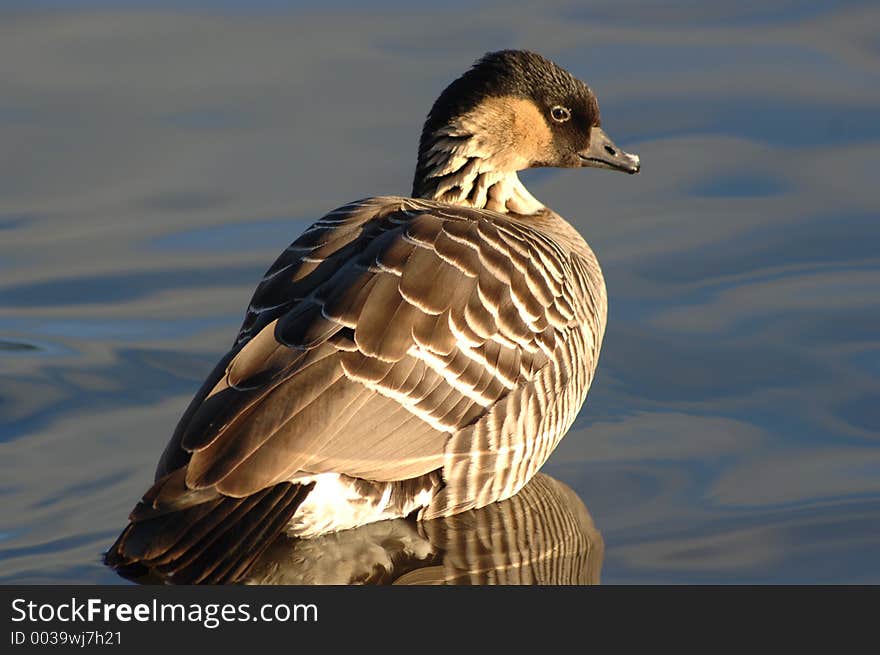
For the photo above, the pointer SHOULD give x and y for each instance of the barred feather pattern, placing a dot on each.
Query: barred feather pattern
(493, 458)
(542, 535)
(395, 339)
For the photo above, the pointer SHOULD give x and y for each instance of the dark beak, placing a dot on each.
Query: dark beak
(602, 153)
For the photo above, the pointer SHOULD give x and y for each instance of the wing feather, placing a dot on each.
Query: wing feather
(394, 338)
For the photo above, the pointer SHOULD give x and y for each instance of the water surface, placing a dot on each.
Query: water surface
(157, 156)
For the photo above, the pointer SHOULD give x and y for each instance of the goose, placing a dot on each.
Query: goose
(410, 357)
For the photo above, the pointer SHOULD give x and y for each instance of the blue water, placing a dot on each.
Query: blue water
(157, 156)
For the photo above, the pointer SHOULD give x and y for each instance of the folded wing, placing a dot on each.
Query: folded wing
(379, 340)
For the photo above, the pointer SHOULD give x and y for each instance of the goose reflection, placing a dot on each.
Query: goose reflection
(542, 535)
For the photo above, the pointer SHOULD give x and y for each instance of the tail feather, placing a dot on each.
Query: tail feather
(248, 529)
(203, 538)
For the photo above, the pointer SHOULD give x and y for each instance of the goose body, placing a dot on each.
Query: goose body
(406, 356)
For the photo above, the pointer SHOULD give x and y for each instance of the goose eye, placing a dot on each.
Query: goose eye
(560, 114)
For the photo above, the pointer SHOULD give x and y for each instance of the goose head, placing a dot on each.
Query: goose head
(512, 110)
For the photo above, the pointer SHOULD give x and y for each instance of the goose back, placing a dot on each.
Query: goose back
(398, 337)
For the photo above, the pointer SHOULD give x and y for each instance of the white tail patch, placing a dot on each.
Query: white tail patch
(338, 502)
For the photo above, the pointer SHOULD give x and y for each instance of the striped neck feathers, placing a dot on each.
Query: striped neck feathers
(464, 163)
